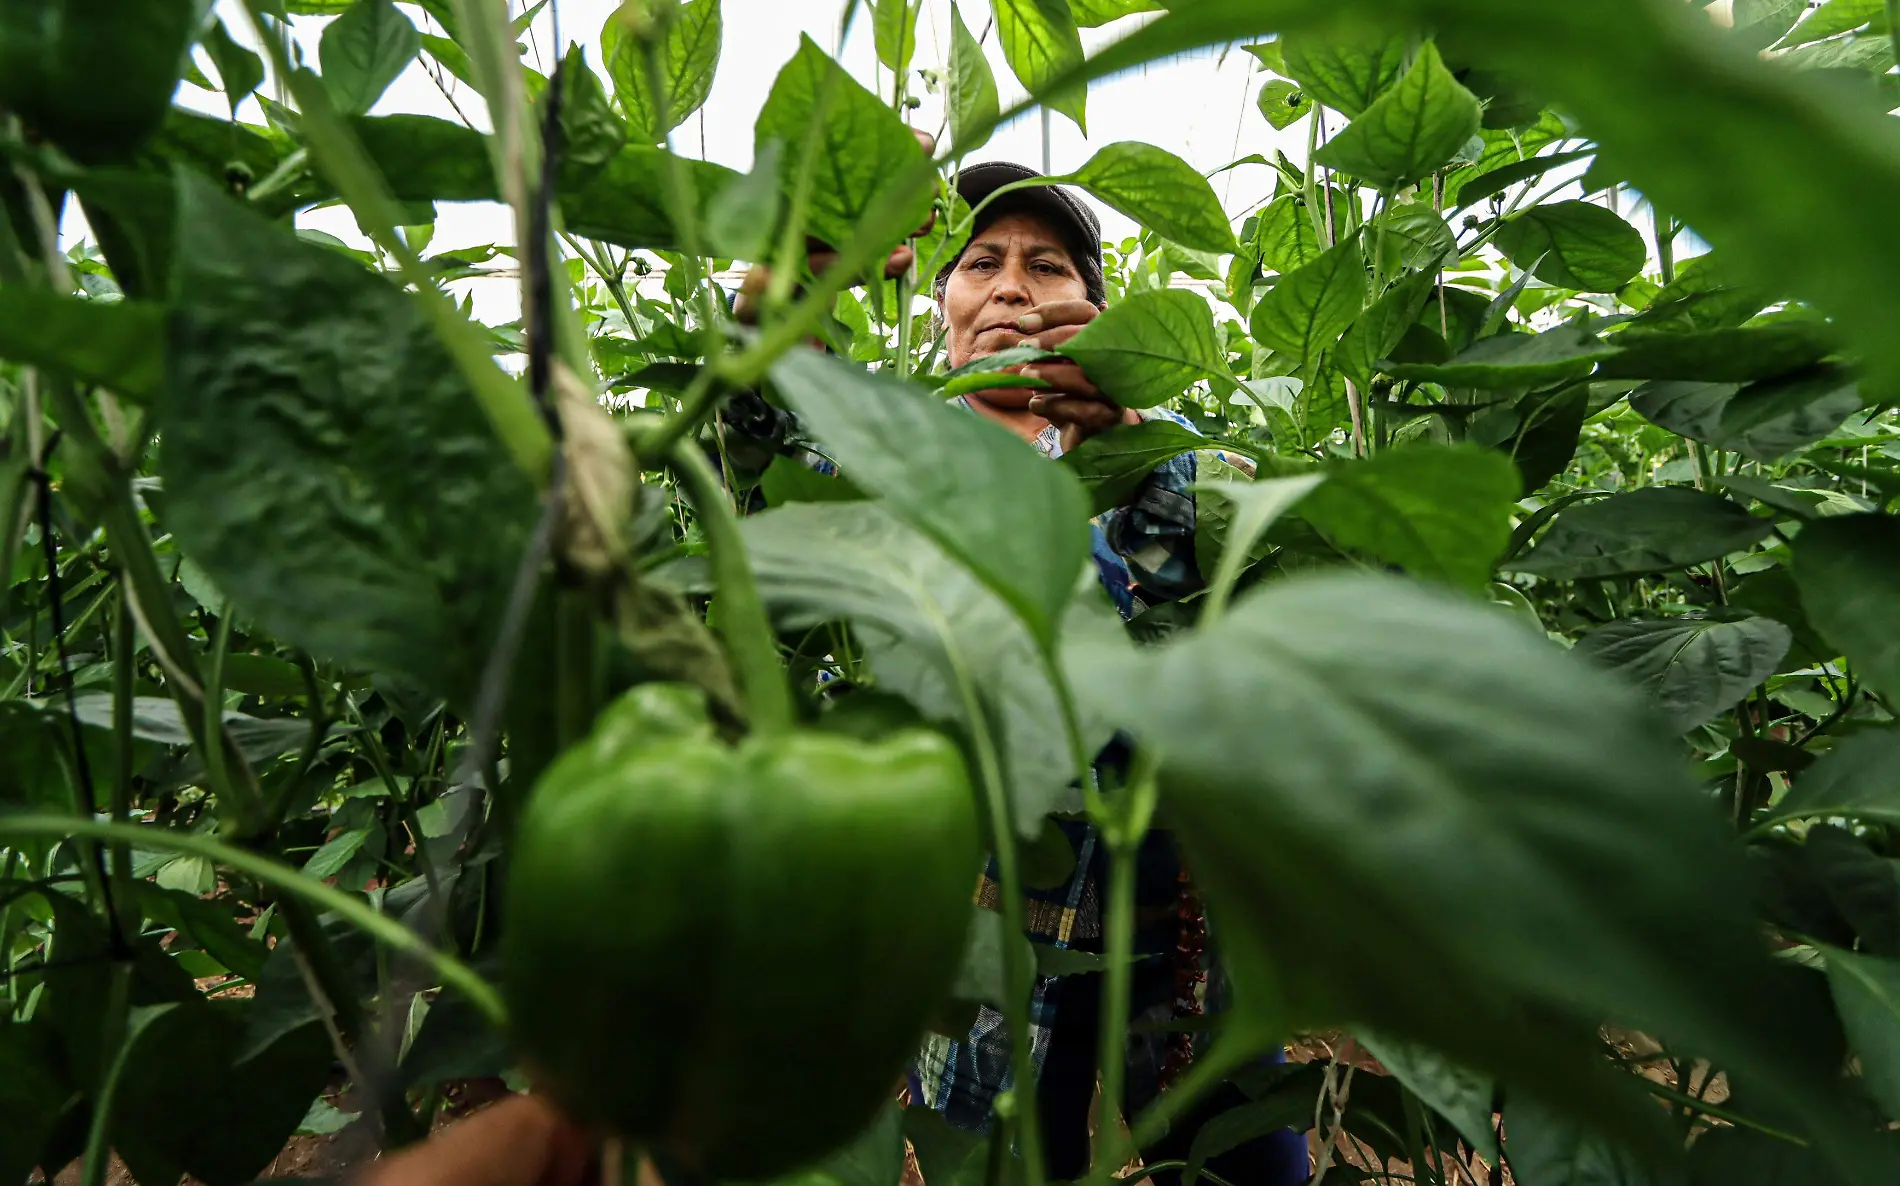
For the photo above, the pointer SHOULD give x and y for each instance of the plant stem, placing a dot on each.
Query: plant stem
(98, 1154)
(742, 616)
(1019, 978)
(124, 671)
(378, 926)
(1117, 989)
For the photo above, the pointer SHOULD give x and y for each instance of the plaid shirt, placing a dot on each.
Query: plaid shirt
(1144, 555)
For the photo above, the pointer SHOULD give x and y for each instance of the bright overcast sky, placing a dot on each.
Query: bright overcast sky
(1201, 107)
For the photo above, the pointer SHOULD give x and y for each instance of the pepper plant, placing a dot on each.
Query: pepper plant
(1535, 727)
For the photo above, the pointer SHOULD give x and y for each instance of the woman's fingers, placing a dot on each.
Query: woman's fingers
(1057, 313)
(1074, 411)
(1063, 378)
(899, 262)
(518, 1142)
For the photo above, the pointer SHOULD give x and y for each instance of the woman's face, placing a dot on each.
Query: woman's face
(1017, 263)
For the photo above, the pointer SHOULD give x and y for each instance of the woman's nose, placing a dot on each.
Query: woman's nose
(1012, 287)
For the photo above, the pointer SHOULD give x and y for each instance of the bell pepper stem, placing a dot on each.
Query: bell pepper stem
(742, 618)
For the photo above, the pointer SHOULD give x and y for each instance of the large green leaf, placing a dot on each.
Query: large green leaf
(324, 461)
(1113, 464)
(1459, 1095)
(1148, 348)
(1347, 72)
(1285, 236)
(1379, 330)
(1041, 44)
(363, 51)
(1741, 354)
(96, 77)
(1307, 310)
(625, 203)
(925, 623)
(1859, 779)
(1409, 131)
(118, 344)
(894, 23)
(862, 146)
(1744, 1157)
(1000, 508)
(1283, 103)
(1764, 420)
(1365, 773)
(974, 103)
(1581, 246)
(1692, 668)
(33, 1092)
(1160, 191)
(1655, 529)
(1415, 237)
(239, 70)
(689, 58)
(1866, 990)
(1517, 360)
(186, 1104)
(1848, 570)
(1440, 513)
(1546, 1148)
(1091, 14)
(1833, 18)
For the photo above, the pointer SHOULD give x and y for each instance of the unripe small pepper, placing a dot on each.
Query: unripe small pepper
(731, 952)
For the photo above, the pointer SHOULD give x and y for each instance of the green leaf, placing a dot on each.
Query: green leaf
(1434, 782)
(1438, 512)
(1150, 347)
(1496, 181)
(1347, 73)
(1743, 1157)
(241, 71)
(1742, 354)
(1581, 246)
(1833, 18)
(1285, 236)
(1461, 1096)
(894, 23)
(119, 345)
(1848, 570)
(1091, 14)
(1161, 191)
(1546, 1148)
(1655, 529)
(1516, 360)
(1307, 310)
(1283, 103)
(591, 132)
(1550, 424)
(309, 394)
(974, 104)
(1764, 420)
(33, 1093)
(1692, 669)
(1256, 505)
(862, 146)
(689, 59)
(745, 214)
(364, 51)
(991, 501)
(946, 1156)
(1866, 991)
(1410, 130)
(1859, 779)
(1040, 43)
(625, 203)
(190, 1106)
(786, 480)
(95, 77)
(1113, 464)
(1416, 238)
(1378, 331)
(925, 623)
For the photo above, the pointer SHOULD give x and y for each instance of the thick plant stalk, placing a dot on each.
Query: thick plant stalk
(742, 617)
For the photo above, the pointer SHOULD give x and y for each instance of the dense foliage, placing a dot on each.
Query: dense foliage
(1535, 727)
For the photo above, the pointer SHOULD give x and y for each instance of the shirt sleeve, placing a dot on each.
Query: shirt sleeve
(1154, 532)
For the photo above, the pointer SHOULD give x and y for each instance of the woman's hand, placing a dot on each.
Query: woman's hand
(820, 256)
(521, 1141)
(1072, 403)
